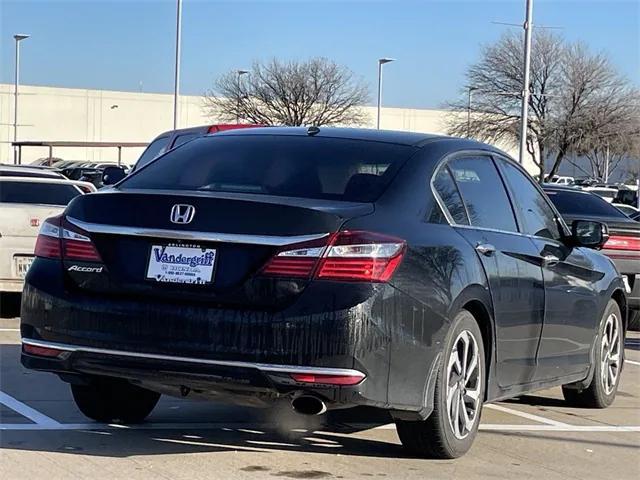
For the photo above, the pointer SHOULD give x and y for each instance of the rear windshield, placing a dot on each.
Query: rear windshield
(580, 203)
(308, 167)
(37, 193)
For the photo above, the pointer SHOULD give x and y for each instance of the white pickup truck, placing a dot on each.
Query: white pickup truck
(25, 202)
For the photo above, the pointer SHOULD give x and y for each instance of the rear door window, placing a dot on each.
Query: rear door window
(37, 193)
(153, 150)
(290, 166)
(538, 217)
(483, 193)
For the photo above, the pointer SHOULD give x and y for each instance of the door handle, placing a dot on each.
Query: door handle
(485, 249)
(550, 260)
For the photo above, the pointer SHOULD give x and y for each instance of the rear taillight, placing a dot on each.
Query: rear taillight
(620, 242)
(48, 244)
(298, 260)
(362, 256)
(348, 256)
(59, 239)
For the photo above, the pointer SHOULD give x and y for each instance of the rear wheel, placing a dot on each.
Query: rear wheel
(452, 426)
(107, 400)
(608, 362)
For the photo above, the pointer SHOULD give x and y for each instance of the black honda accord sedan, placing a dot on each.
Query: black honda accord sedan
(329, 268)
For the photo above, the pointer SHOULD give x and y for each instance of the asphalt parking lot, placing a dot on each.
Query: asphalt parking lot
(42, 434)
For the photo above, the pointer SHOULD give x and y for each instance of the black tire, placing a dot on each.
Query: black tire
(596, 395)
(435, 436)
(114, 401)
(634, 320)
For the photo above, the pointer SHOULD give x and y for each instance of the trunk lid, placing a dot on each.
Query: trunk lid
(132, 229)
(21, 220)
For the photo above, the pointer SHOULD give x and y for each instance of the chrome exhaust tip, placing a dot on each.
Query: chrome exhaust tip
(308, 405)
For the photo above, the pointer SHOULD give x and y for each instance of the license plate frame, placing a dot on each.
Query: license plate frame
(171, 264)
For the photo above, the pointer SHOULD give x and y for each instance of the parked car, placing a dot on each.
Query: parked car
(585, 182)
(560, 180)
(627, 194)
(332, 268)
(628, 210)
(608, 193)
(25, 202)
(23, 171)
(623, 245)
(39, 172)
(169, 140)
(45, 162)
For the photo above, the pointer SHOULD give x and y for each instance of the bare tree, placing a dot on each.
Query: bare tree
(313, 92)
(608, 129)
(568, 86)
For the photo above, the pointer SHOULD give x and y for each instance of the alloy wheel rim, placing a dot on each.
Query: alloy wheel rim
(610, 354)
(463, 384)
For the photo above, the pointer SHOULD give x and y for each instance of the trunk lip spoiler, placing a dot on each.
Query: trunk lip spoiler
(272, 240)
(264, 367)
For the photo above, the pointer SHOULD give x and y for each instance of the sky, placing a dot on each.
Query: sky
(129, 45)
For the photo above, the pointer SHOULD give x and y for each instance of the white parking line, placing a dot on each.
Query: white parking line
(631, 362)
(26, 411)
(270, 427)
(9, 329)
(559, 428)
(528, 416)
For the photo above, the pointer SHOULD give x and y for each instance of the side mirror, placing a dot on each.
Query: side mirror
(112, 175)
(590, 234)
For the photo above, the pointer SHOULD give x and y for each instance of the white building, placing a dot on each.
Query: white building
(72, 114)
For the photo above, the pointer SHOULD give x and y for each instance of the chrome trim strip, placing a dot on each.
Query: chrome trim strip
(276, 241)
(265, 367)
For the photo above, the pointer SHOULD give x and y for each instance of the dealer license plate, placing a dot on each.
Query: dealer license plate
(181, 264)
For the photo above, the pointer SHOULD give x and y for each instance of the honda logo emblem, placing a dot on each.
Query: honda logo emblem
(182, 213)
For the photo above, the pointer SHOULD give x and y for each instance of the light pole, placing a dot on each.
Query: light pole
(176, 84)
(471, 89)
(18, 37)
(381, 61)
(239, 73)
(528, 26)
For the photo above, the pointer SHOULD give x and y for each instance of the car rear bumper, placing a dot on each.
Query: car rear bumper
(241, 356)
(254, 384)
(11, 284)
(634, 296)
(630, 269)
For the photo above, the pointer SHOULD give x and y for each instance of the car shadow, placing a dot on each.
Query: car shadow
(333, 437)
(195, 429)
(537, 401)
(131, 442)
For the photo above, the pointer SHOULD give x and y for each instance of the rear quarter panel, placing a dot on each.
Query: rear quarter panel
(439, 274)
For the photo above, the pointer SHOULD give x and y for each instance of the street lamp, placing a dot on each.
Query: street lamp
(528, 26)
(18, 37)
(176, 84)
(381, 61)
(239, 73)
(471, 89)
